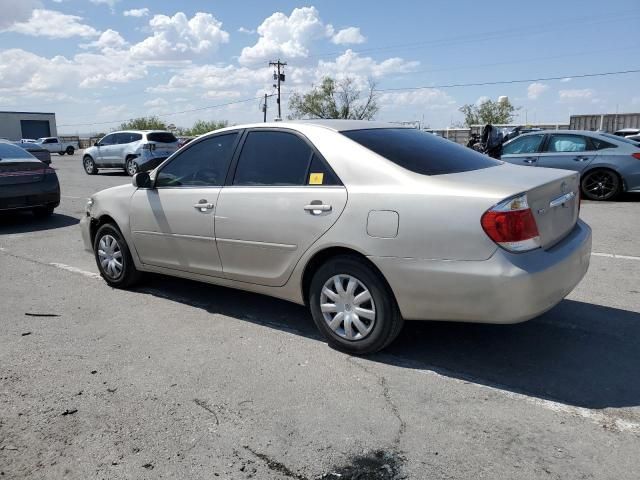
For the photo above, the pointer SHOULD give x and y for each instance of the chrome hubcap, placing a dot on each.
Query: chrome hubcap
(347, 307)
(88, 165)
(133, 168)
(110, 256)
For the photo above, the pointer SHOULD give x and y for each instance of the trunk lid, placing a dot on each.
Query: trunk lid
(19, 171)
(552, 194)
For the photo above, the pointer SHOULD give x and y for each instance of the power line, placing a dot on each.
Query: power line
(506, 82)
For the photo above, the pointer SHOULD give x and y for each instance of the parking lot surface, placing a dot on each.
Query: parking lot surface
(177, 379)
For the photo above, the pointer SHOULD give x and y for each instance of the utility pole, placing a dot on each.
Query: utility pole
(279, 77)
(264, 108)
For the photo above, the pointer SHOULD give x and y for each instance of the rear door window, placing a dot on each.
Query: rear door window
(273, 159)
(523, 145)
(420, 152)
(161, 137)
(562, 143)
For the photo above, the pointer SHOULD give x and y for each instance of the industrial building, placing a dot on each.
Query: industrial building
(17, 125)
(608, 122)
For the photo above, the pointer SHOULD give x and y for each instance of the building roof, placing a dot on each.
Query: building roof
(28, 113)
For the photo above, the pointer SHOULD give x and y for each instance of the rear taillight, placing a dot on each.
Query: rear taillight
(636, 156)
(511, 225)
(49, 171)
(149, 146)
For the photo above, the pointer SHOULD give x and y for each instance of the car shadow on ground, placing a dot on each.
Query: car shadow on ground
(24, 222)
(578, 353)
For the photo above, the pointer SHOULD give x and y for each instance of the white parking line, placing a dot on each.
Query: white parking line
(71, 269)
(614, 255)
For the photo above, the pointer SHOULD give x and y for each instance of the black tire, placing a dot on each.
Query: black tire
(129, 274)
(387, 322)
(131, 167)
(601, 184)
(70, 150)
(43, 212)
(61, 153)
(89, 165)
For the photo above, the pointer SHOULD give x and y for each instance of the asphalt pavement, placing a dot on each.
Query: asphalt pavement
(177, 379)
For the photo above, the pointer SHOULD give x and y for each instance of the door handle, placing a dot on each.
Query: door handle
(204, 206)
(581, 159)
(317, 208)
(530, 160)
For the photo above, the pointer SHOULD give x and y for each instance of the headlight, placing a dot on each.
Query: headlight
(87, 208)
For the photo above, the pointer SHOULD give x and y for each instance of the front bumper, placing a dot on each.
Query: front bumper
(506, 288)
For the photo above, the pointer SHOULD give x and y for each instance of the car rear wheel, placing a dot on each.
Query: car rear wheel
(601, 184)
(70, 150)
(89, 165)
(114, 258)
(353, 307)
(61, 153)
(131, 166)
(43, 212)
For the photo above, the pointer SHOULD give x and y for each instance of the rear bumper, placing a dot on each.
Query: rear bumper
(29, 195)
(507, 288)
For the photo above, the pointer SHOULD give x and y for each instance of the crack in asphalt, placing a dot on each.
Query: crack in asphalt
(276, 466)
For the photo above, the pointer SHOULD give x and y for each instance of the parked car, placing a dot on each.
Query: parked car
(635, 138)
(608, 164)
(135, 151)
(625, 132)
(28, 140)
(369, 224)
(182, 141)
(26, 183)
(55, 145)
(37, 151)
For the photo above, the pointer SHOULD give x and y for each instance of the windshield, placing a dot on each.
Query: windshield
(419, 151)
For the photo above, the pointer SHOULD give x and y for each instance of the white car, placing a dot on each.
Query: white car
(55, 145)
(134, 150)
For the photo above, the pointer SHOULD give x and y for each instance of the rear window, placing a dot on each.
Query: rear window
(420, 152)
(8, 151)
(620, 139)
(161, 137)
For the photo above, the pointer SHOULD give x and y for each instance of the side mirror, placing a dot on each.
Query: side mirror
(97, 144)
(141, 180)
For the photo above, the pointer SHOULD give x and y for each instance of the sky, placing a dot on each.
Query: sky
(96, 63)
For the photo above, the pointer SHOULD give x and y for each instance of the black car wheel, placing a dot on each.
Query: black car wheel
(601, 184)
(70, 150)
(89, 165)
(114, 258)
(353, 307)
(61, 153)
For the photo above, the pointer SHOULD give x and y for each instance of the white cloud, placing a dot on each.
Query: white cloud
(635, 100)
(178, 38)
(156, 102)
(246, 30)
(482, 99)
(432, 98)
(136, 12)
(53, 24)
(566, 79)
(108, 40)
(576, 95)
(536, 89)
(14, 12)
(286, 36)
(348, 35)
(111, 3)
(351, 64)
(111, 111)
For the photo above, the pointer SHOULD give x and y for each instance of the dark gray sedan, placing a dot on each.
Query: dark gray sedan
(608, 165)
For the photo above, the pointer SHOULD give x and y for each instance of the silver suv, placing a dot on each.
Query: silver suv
(134, 150)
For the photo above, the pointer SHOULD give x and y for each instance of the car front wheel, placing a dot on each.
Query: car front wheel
(353, 307)
(114, 258)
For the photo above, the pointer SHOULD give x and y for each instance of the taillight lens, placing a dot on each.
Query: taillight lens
(636, 155)
(149, 146)
(511, 225)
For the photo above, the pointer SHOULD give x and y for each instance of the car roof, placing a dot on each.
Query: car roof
(330, 124)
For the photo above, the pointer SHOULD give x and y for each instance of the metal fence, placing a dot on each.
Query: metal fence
(609, 122)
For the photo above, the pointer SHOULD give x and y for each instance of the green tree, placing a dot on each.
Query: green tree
(488, 111)
(335, 99)
(201, 127)
(144, 123)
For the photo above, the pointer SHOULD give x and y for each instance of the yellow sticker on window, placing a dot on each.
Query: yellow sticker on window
(316, 178)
